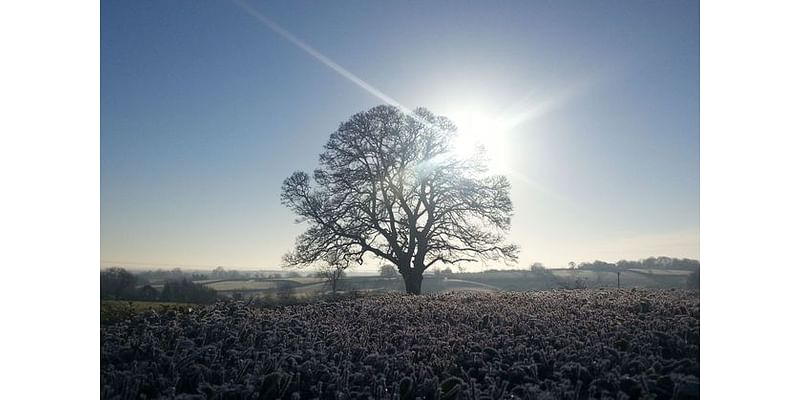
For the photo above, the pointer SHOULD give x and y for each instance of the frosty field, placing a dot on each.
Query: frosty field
(552, 344)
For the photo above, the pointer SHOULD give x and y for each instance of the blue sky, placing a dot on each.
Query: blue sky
(205, 110)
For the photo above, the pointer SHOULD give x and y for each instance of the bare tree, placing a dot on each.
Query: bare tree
(390, 186)
(332, 268)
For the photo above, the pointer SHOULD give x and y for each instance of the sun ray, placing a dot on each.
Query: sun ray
(476, 129)
(325, 60)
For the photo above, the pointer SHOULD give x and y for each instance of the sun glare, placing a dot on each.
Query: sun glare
(477, 129)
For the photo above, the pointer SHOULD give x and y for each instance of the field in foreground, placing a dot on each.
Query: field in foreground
(550, 344)
(118, 310)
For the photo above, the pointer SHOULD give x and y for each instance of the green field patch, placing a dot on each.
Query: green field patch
(112, 311)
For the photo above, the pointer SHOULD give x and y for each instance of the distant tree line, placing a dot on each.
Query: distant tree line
(232, 274)
(646, 263)
(538, 270)
(186, 291)
(120, 284)
(219, 273)
(650, 263)
(117, 284)
(160, 275)
(663, 263)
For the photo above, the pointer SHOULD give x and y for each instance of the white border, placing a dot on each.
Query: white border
(49, 205)
(749, 198)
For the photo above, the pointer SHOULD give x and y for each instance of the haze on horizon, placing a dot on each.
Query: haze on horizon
(593, 110)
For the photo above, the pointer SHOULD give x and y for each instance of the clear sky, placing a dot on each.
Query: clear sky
(205, 109)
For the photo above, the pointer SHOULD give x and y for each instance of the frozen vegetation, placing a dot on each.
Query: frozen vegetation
(562, 344)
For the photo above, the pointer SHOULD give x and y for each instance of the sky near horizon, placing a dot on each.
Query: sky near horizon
(207, 106)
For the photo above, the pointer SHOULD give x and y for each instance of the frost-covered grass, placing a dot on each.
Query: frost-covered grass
(469, 345)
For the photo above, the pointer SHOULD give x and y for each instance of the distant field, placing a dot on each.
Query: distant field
(223, 286)
(486, 281)
(254, 286)
(305, 281)
(669, 272)
(208, 281)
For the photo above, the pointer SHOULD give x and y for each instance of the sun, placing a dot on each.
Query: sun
(475, 129)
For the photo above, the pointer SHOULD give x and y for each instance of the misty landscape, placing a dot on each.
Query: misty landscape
(514, 214)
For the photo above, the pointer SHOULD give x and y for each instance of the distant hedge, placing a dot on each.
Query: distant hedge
(186, 291)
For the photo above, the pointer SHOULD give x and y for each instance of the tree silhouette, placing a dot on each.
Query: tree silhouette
(390, 186)
(333, 267)
(117, 283)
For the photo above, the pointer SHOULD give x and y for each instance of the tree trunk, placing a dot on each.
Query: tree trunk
(413, 281)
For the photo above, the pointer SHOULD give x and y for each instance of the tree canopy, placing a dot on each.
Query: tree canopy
(390, 186)
(117, 283)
